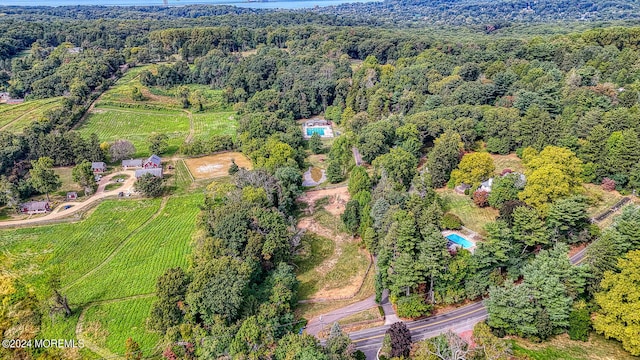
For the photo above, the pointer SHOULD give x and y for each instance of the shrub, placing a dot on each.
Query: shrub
(412, 306)
(579, 322)
(608, 184)
(451, 222)
(481, 198)
(505, 172)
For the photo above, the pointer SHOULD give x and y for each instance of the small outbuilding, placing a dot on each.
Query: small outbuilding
(72, 195)
(35, 207)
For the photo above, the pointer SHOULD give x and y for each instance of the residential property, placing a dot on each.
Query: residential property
(98, 167)
(72, 195)
(152, 162)
(35, 207)
(132, 163)
(155, 172)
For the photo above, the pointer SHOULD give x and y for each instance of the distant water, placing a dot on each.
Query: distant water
(271, 4)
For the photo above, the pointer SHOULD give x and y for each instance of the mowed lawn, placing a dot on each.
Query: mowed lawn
(511, 161)
(206, 124)
(121, 320)
(136, 125)
(14, 118)
(473, 217)
(163, 243)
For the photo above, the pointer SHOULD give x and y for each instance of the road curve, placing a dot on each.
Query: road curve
(59, 212)
(457, 320)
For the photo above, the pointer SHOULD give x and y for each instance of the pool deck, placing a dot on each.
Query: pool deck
(461, 234)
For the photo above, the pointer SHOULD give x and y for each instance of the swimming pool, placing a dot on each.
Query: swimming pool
(315, 130)
(460, 241)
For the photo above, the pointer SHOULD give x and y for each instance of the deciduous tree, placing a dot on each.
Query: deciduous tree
(619, 302)
(43, 178)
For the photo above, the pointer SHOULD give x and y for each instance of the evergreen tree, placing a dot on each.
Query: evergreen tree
(444, 157)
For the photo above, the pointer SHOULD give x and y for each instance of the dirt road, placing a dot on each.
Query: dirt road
(59, 212)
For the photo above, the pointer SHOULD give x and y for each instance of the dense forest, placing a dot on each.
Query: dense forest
(425, 113)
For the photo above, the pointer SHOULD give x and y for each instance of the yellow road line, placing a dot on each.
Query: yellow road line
(426, 325)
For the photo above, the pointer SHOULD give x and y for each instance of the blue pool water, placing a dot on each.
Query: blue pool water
(315, 130)
(460, 241)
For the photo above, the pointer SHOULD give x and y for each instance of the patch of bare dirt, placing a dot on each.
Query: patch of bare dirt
(338, 198)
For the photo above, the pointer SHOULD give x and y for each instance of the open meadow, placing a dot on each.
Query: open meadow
(117, 115)
(14, 118)
(135, 125)
(108, 264)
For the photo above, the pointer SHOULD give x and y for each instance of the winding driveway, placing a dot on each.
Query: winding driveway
(59, 212)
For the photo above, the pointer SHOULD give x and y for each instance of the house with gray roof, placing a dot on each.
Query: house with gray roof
(157, 172)
(98, 167)
(132, 163)
(35, 207)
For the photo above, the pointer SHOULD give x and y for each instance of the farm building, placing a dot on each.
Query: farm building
(35, 207)
(152, 162)
(155, 172)
(132, 163)
(72, 195)
(98, 167)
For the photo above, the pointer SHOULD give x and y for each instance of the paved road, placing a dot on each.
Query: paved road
(461, 319)
(458, 320)
(100, 194)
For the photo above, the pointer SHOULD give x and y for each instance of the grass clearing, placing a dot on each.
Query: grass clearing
(473, 217)
(314, 251)
(206, 124)
(511, 161)
(112, 186)
(603, 200)
(13, 118)
(136, 125)
(331, 264)
(163, 243)
(124, 319)
(562, 348)
(74, 248)
(309, 310)
(66, 178)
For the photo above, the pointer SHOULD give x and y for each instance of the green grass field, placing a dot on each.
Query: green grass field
(117, 116)
(118, 252)
(316, 249)
(136, 125)
(124, 319)
(14, 118)
(473, 217)
(562, 348)
(163, 243)
(327, 266)
(74, 248)
(206, 124)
